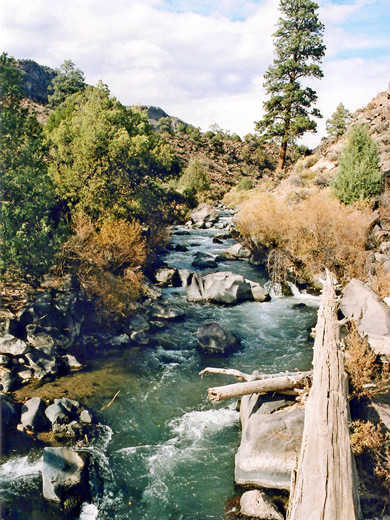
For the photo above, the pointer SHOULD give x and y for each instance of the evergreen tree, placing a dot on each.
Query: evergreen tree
(336, 125)
(358, 175)
(298, 48)
(28, 236)
(69, 80)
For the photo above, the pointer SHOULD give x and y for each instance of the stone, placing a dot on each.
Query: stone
(237, 252)
(270, 444)
(121, 341)
(42, 364)
(43, 342)
(85, 417)
(371, 314)
(25, 375)
(259, 293)
(56, 413)
(204, 260)
(64, 477)
(33, 414)
(12, 346)
(214, 339)
(165, 312)
(138, 323)
(185, 277)
(68, 432)
(9, 415)
(256, 504)
(70, 405)
(6, 379)
(15, 328)
(221, 287)
(71, 362)
(140, 337)
(202, 214)
(150, 290)
(167, 277)
(4, 360)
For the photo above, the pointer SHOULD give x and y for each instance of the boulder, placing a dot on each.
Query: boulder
(6, 379)
(237, 252)
(371, 314)
(65, 477)
(220, 287)
(11, 346)
(42, 364)
(121, 341)
(70, 405)
(204, 260)
(259, 293)
(57, 414)
(33, 414)
(167, 277)
(68, 432)
(43, 342)
(86, 417)
(203, 214)
(270, 443)
(185, 277)
(71, 363)
(4, 360)
(138, 323)
(214, 339)
(165, 311)
(9, 416)
(256, 504)
(141, 338)
(15, 328)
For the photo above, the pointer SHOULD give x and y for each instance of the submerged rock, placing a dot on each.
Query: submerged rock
(65, 477)
(214, 339)
(270, 443)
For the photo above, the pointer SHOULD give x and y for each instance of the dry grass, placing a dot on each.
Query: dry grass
(316, 232)
(366, 436)
(368, 377)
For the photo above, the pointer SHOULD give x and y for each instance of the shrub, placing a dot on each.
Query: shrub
(194, 178)
(366, 436)
(245, 184)
(358, 175)
(317, 232)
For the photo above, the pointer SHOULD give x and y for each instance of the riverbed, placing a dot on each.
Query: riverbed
(164, 451)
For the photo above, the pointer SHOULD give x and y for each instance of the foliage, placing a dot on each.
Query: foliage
(366, 436)
(336, 125)
(106, 160)
(165, 125)
(315, 233)
(358, 175)
(194, 178)
(368, 377)
(298, 48)
(29, 234)
(68, 80)
(245, 184)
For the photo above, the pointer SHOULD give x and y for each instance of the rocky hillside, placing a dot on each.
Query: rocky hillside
(36, 79)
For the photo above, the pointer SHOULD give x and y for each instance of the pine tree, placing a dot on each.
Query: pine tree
(358, 175)
(336, 125)
(69, 80)
(298, 48)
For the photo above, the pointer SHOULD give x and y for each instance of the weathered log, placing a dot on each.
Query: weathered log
(326, 483)
(262, 386)
(255, 376)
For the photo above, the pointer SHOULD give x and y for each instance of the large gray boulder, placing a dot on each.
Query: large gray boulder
(33, 414)
(204, 260)
(371, 314)
(220, 287)
(6, 379)
(12, 346)
(42, 364)
(256, 504)
(270, 443)
(8, 414)
(214, 339)
(237, 252)
(167, 277)
(64, 477)
(203, 214)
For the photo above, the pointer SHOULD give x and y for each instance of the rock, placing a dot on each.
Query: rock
(121, 341)
(33, 414)
(42, 364)
(66, 432)
(259, 293)
(43, 342)
(385, 248)
(150, 290)
(185, 277)
(25, 375)
(214, 339)
(6, 379)
(138, 323)
(56, 413)
(278, 289)
(85, 417)
(70, 405)
(270, 444)
(4, 360)
(237, 252)
(9, 415)
(140, 337)
(167, 277)
(64, 477)
(256, 504)
(371, 314)
(217, 240)
(204, 260)
(12, 346)
(203, 214)
(71, 363)
(15, 328)
(165, 312)
(220, 287)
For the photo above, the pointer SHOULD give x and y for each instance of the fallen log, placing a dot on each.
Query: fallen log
(325, 486)
(281, 384)
(255, 376)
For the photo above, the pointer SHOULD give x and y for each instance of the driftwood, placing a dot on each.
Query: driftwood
(282, 384)
(242, 376)
(325, 486)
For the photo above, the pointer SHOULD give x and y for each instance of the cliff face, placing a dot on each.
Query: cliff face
(36, 79)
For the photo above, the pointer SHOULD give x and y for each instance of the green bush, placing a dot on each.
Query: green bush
(359, 175)
(194, 179)
(245, 184)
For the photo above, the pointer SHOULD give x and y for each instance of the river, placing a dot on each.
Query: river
(164, 451)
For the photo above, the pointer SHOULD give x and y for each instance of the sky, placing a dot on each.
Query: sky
(202, 61)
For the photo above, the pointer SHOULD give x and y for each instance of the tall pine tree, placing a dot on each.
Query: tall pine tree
(299, 49)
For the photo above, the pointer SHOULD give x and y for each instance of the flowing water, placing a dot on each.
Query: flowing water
(166, 452)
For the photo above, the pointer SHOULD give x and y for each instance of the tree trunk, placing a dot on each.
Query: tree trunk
(326, 483)
(282, 155)
(262, 386)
